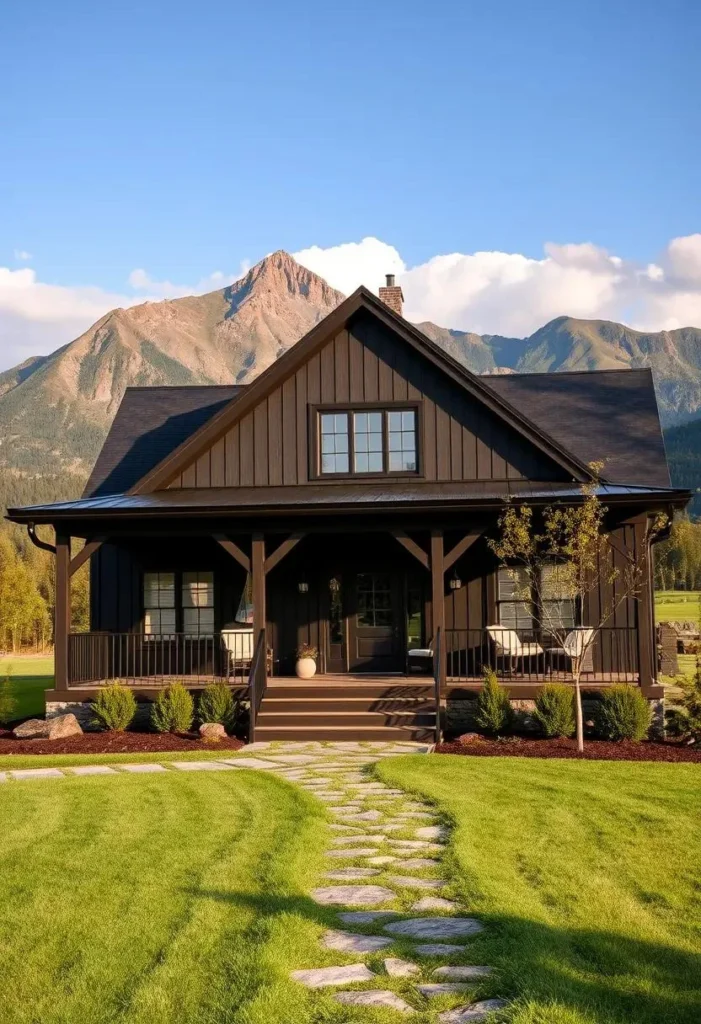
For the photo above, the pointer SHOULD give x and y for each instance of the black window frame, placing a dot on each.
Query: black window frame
(179, 607)
(535, 602)
(315, 413)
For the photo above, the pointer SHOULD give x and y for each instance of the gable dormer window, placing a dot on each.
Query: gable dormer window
(367, 441)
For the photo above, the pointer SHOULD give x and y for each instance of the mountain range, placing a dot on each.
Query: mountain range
(55, 410)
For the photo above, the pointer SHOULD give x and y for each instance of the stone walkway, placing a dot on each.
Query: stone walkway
(385, 855)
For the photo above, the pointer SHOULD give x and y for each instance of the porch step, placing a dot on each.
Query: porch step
(342, 732)
(361, 719)
(376, 690)
(351, 705)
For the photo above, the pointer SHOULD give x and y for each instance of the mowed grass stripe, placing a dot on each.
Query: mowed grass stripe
(586, 876)
(154, 898)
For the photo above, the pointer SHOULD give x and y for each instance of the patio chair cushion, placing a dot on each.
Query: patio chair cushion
(575, 643)
(508, 642)
(420, 652)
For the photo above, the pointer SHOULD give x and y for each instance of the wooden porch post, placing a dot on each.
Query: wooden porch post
(645, 610)
(258, 583)
(62, 610)
(438, 597)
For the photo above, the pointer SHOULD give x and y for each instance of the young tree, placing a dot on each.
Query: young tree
(566, 550)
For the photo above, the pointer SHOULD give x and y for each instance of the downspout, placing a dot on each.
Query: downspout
(38, 542)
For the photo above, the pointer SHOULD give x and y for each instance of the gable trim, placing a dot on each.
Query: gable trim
(198, 442)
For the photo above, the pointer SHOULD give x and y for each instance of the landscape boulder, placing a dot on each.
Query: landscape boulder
(212, 732)
(56, 728)
(470, 737)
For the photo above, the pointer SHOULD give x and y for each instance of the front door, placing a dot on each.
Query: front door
(375, 633)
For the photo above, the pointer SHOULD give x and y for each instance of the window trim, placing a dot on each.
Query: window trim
(315, 411)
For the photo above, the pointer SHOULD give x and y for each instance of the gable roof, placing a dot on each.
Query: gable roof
(600, 415)
(150, 423)
(185, 453)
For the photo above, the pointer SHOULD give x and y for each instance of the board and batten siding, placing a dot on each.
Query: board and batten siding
(461, 438)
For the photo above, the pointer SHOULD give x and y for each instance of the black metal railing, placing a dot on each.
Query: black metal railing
(437, 674)
(135, 658)
(256, 684)
(610, 656)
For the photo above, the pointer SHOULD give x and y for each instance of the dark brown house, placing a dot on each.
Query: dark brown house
(344, 500)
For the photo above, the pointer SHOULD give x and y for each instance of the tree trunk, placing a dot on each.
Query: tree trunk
(579, 714)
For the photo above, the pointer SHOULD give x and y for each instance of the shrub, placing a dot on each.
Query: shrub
(686, 718)
(554, 710)
(173, 709)
(8, 704)
(622, 714)
(494, 712)
(217, 705)
(114, 707)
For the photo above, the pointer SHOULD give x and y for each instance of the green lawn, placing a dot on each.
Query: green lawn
(677, 606)
(182, 898)
(587, 875)
(30, 677)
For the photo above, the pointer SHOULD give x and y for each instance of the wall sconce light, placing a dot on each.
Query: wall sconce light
(455, 581)
(334, 585)
(303, 586)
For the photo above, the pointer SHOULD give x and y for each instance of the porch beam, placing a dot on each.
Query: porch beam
(412, 547)
(645, 608)
(234, 550)
(258, 583)
(81, 558)
(460, 548)
(282, 550)
(62, 610)
(438, 598)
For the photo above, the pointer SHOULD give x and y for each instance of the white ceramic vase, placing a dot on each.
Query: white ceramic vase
(305, 668)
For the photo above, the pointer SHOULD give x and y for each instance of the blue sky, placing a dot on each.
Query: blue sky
(185, 138)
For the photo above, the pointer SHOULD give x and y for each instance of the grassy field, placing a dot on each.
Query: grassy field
(183, 898)
(30, 677)
(587, 877)
(677, 606)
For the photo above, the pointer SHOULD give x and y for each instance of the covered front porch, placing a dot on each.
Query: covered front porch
(403, 612)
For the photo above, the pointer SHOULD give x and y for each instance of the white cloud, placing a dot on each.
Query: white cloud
(485, 292)
(508, 293)
(22, 254)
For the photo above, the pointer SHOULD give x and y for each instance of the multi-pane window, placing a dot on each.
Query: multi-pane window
(159, 603)
(198, 603)
(368, 441)
(514, 599)
(523, 605)
(182, 602)
(368, 447)
(401, 437)
(334, 442)
(559, 608)
(373, 592)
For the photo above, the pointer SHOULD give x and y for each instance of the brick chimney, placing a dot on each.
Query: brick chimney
(391, 295)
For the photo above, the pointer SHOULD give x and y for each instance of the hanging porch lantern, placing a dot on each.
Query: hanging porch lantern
(455, 582)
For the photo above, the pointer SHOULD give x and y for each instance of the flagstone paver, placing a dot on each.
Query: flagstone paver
(465, 973)
(92, 769)
(142, 769)
(430, 832)
(435, 927)
(434, 903)
(438, 949)
(201, 766)
(350, 840)
(368, 916)
(417, 863)
(321, 977)
(37, 773)
(441, 988)
(410, 882)
(350, 942)
(362, 851)
(352, 873)
(374, 998)
(248, 762)
(352, 895)
(473, 1013)
(400, 968)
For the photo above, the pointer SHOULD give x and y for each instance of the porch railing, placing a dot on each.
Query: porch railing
(256, 684)
(134, 658)
(437, 654)
(612, 657)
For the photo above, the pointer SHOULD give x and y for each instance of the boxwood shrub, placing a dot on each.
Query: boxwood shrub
(114, 707)
(494, 714)
(217, 704)
(622, 714)
(554, 710)
(173, 709)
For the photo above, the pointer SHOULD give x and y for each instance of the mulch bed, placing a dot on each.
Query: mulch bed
(114, 743)
(594, 750)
